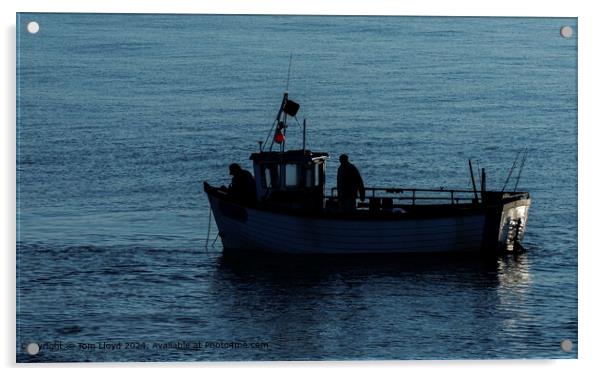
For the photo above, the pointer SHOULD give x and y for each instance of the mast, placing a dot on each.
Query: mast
(304, 129)
(287, 108)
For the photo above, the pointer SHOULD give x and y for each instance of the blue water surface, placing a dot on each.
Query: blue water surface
(121, 117)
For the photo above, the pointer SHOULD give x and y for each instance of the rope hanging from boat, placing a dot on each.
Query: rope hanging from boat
(214, 240)
(208, 232)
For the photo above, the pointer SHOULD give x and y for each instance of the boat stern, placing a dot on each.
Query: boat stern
(513, 221)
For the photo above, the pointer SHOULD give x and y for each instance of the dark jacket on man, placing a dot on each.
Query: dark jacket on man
(349, 182)
(242, 188)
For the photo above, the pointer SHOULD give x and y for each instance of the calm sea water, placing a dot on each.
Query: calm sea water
(121, 117)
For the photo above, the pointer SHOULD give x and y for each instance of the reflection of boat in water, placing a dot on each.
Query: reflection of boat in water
(292, 213)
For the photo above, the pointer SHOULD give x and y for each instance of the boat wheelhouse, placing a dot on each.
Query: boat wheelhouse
(292, 179)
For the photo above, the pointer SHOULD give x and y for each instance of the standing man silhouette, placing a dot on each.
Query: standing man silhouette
(349, 184)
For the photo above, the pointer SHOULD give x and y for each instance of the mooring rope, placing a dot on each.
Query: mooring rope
(208, 232)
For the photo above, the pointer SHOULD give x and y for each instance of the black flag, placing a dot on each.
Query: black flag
(291, 108)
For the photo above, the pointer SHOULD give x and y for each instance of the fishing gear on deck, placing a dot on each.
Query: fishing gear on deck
(520, 171)
(514, 164)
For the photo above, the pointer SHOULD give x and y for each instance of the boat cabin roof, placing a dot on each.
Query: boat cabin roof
(291, 156)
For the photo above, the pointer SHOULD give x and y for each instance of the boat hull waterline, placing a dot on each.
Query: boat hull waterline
(252, 229)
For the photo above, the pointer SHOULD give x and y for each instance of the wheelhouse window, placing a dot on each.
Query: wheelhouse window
(309, 172)
(312, 175)
(270, 177)
(292, 176)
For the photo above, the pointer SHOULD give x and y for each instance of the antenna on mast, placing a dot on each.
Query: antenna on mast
(288, 76)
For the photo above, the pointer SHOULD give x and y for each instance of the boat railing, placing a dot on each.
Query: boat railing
(455, 196)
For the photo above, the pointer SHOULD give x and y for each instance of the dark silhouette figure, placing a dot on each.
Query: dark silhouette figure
(242, 188)
(349, 184)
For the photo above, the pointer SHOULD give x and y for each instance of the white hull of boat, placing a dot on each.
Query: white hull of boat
(249, 229)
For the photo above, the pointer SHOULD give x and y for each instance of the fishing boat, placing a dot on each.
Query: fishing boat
(292, 213)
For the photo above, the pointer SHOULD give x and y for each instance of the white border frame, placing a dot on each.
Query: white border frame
(589, 173)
